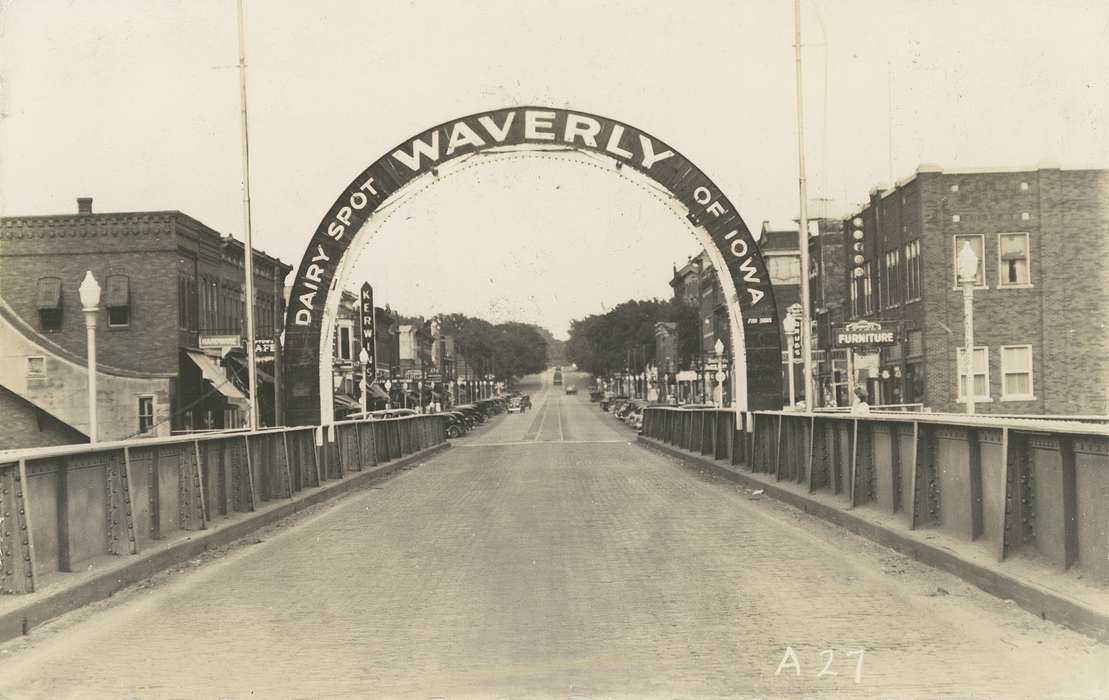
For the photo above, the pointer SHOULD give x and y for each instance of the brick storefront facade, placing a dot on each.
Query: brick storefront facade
(166, 280)
(1042, 298)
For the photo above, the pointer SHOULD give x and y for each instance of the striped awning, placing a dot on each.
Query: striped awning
(214, 374)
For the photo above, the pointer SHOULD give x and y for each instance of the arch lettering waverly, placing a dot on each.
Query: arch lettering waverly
(756, 340)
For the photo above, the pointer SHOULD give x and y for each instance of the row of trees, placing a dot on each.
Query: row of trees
(624, 337)
(509, 349)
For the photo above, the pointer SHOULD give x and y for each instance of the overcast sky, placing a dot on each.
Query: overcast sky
(137, 105)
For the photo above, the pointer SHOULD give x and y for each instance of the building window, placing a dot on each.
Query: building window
(868, 288)
(977, 244)
(955, 218)
(187, 302)
(48, 299)
(912, 270)
(1025, 216)
(1012, 259)
(916, 343)
(345, 338)
(954, 188)
(1024, 187)
(119, 301)
(146, 414)
(981, 374)
(1016, 372)
(784, 269)
(36, 367)
(893, 278)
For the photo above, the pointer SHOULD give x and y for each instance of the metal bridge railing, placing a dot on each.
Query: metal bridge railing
(1031, 484)
(61, 506)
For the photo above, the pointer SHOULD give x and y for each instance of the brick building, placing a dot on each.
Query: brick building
(1040, 306)
(346, 366)
(696, 283)
(169, 354)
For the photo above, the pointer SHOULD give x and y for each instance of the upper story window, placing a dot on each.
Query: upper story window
(48, 300)
(1016, 372)
(146, 414)
(868, 288)
(912, 270)
(187, 302)
(345, 347)
(981, 373)
(119, 301)
(784, 269)
(892, 282)
(977, 244)
(1012, 260)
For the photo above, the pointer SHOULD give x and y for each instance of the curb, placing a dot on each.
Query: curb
(1040, 601)
(22, 620)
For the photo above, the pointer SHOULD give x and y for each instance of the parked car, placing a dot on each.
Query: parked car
(456, 424)
(382, 415)
(525, 401)
(596, 395)
(516, 405)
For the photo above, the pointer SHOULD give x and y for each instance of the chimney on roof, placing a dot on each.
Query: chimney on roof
(84, 205)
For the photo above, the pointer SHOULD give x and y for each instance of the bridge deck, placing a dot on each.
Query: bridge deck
(547, 554)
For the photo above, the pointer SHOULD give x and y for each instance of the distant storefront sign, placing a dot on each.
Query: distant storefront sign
(220, 343)
(864, 333)
(366, 327)
(264, 348)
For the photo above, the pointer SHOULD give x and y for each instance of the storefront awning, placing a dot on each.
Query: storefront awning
(347, 402)
(215, 375)
(240, 360)
(377, 392)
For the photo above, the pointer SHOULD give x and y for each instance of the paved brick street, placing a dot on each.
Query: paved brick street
(548, 555)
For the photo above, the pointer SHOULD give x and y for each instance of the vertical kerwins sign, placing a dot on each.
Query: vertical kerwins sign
(366, 328)
(543, 127)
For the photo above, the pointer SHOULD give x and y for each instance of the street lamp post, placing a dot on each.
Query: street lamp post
(89, 291)
(968, 274)
(364, 358)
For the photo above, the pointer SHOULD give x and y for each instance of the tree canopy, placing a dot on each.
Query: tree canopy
(624, 337)
(508, 350)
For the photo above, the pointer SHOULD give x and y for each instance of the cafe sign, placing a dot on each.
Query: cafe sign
(864, 333)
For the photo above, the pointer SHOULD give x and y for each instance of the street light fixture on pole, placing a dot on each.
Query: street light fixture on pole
(89, 291)
(803, 236)
(968, 276)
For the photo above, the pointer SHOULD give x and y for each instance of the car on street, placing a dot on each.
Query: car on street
(515, 404)
(571, 389)
(456, 424)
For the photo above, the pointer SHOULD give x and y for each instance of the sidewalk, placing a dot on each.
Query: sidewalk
(1066, 598)
(58, 593)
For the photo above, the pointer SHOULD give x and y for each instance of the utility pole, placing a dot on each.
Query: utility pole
(803, 235)
(248, 254)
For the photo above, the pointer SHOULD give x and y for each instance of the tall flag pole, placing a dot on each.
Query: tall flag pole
(803, 234)
(248, 254)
